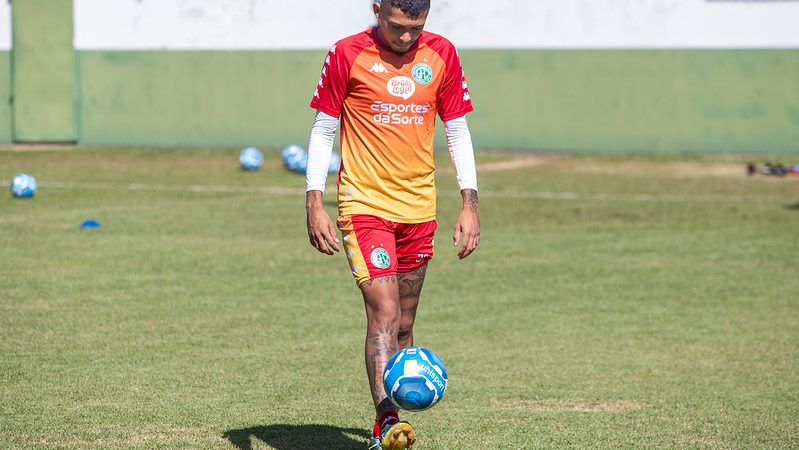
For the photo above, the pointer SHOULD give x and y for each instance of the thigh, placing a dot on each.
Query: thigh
(370, 246)
(414, 245)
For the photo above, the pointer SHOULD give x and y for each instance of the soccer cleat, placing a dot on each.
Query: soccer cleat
(399, 436)
(374, 444)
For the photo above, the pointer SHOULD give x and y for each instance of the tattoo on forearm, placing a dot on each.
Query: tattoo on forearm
(470, 198)
(390, 279)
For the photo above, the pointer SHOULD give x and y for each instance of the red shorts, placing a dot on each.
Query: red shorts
(378, 248)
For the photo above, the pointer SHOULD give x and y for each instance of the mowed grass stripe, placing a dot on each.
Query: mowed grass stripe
(277, 190)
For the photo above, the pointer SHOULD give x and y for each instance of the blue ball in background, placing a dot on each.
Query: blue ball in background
(335, 163)
(23, 185)
(302, 164)
(251, 159)
(415, 379)
(294, 158)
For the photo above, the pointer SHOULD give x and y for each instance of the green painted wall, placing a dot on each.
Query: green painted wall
(43, 71)
(655, 100)
(5, 98)
(614, 100)
(196, 98)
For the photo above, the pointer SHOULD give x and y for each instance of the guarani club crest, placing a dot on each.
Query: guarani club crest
(422, 73)
(380, 258)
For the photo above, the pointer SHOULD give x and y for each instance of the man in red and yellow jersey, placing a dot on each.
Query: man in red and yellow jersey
(385, 86)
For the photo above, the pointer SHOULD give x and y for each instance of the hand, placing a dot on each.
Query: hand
(467, 228)
(321, 231)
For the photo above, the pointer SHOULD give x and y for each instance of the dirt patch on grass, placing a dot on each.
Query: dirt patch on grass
(676, 169)
(510, 161)
(568, 405)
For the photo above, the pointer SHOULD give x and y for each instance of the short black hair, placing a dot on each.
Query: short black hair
(411, 8)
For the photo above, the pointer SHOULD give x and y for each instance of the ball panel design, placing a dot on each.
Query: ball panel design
(23, 185)
(251, 159)
(415, 379)
(292, 157)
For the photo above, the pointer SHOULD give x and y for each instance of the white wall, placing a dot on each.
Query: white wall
(5, 25)
(281, 24)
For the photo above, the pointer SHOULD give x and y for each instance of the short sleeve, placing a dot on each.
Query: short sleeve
(454, 100)
(333, 85)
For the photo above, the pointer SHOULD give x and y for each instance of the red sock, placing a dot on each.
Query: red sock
(389, 418)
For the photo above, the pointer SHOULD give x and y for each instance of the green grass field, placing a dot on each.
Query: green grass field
(615, 302)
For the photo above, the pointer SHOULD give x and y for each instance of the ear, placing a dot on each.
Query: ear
(376, 9)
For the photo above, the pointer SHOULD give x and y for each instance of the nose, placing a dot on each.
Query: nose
(405, 38)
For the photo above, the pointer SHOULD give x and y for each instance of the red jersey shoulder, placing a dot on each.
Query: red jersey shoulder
(350, 47)
(440, 45)
(333, 85)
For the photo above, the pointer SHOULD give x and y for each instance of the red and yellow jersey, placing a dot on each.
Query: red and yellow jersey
(388, 104)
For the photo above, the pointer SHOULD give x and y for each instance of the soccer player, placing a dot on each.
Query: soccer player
(386, 85)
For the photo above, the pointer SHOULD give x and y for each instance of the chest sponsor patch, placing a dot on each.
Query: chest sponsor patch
(402, 87)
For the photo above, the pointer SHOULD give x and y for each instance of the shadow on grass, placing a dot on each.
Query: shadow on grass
(794, 207)
(299, 437)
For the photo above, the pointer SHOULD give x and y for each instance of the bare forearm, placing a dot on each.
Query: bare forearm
(313, 201)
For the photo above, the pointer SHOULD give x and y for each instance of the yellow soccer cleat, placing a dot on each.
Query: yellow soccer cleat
(400, 436)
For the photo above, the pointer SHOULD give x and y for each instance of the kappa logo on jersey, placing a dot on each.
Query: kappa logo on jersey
(402, 87)
(422, 73)
(378, 68)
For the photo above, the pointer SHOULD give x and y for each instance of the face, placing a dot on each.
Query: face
(397, 30)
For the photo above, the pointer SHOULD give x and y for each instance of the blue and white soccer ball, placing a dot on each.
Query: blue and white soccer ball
(251, 159)
(23, 185)
(335, 163)
(415, 379)
(292, 157)
(302, 164)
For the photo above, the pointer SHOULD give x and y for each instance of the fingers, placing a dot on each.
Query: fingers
(469, 239)
(332, 238)
(468, 245)
(325, 242)
(322, 234)
(318, 242)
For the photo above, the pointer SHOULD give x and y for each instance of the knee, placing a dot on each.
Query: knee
(384, 312)
(406, 325)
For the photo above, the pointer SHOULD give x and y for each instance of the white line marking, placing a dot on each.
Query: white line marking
(278, 190)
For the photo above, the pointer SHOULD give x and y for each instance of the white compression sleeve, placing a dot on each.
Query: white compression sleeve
(320, 147)
(459, 141)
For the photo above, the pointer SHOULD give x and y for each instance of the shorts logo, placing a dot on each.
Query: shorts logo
(422, 73)
(380, 258)
(402, 87)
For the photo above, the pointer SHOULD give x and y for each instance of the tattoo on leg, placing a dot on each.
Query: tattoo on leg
(381, 344)
(389, 279)
(410, 288)
(410, 283)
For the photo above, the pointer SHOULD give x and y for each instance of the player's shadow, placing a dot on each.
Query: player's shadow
(299, 437)
(794, 207)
